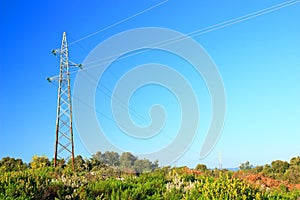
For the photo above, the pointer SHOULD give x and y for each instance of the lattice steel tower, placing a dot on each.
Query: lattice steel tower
(64, 143)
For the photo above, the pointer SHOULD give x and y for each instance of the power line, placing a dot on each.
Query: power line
(201, 31)
(91, 107)
(108, 93)
(118, 100)
(119, 22)
(177, 39)
(112, 120)
(191, 34)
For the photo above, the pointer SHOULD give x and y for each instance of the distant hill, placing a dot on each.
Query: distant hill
(233, 169)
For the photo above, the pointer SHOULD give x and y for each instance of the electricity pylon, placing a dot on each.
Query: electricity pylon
(220, 159)
(64, 143)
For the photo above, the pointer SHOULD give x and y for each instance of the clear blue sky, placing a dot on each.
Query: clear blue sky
(258, 59)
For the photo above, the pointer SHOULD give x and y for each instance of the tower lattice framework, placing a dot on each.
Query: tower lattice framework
(64, 143)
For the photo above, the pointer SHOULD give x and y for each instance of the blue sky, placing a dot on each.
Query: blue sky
(258, 59)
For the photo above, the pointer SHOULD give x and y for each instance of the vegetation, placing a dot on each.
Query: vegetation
(111, 176)
(279, 170)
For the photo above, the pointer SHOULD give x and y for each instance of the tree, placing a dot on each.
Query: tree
(279, 166)
(111, 158)
(143, 165)
(79, 163)
(246, 166)
(60, 163)
(95, 163)
(267, 171)
(154, 165)
(100, 157)
(258, 169)
(39, 162)
(88, 165)
(8, 164)
(127, 160)
(292, 174)
(201, 168)
(295, 161)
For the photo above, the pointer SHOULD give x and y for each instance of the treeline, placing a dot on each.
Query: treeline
(109, 175)
(125, 162)
(279, 170)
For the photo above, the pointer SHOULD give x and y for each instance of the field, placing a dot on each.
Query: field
(95, 180)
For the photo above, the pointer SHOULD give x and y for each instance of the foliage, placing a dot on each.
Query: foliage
(205, 187)
(246, 166)
(201, 168)
(8, 164)
(95, 180)
(28, 184)
(281, 170)
(39, 162)
(109, 158)
(125, 162)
